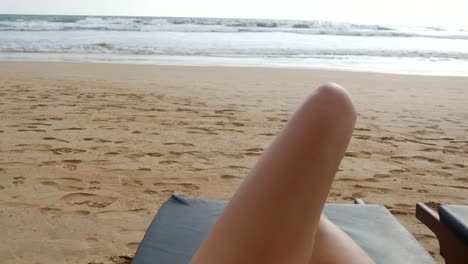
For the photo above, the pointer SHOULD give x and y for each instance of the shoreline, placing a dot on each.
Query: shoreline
(90, 151)
(241, 62)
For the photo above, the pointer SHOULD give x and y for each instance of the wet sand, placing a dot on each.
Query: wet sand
(88, 152)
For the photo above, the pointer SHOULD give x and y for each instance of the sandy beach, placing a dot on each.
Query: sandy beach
(88, 152)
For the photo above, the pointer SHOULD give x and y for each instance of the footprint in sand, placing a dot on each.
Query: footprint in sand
(431, 160)
(234, 156)
(132, 182)
(31, 130)
(61, 186)
(89, 199)
(364, 137)
(70, 128)
(229, 129)
(266, 134)
(361, 194)
(419, 142)
(55, 139)
(187, 110)
(359, 154)
(173, 187)
(226, 111)
(70, 179)
(447, 168)
(94, 186)
(133, 245)
(387, 138)
(335, 194)
(255, 149)
(60, 151)
(179, 143)
(398, 211)
(382, 176)
(73, 161)
(431, 149)
(18, 180)
(121, 259)
(199, 132)
(372, 188)
(56, 211)
(112, 153)
(97, 140)
(456, 186)
(236, 167)
(273, 119)
(230, 177)
(36, 124)
(71, 164)
(403, 205)
(180, 153)
(237, 124)
(361, 129)
(398, 171)
(135, 155)
(252, 154)
(168, 162)
(123, 213)
(371, 179)
(462, 179)
(345, 179)
(154, 154)
(458, 141)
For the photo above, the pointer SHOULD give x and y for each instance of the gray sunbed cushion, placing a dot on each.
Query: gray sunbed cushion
(455, 217)
(182, 224)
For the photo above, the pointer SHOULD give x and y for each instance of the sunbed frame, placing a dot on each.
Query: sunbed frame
(452, 248)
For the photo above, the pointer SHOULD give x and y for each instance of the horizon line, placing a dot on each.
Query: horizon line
(252, 18)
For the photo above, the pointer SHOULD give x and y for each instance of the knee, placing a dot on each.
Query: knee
(333, 97)
(333, 103)
(331, 88)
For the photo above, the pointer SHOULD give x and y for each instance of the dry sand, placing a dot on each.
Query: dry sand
(90, 151)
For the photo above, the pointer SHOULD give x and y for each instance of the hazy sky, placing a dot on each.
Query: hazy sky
(448, 13)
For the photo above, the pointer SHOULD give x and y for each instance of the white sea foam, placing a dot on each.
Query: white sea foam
(68, 23)
(297, 42)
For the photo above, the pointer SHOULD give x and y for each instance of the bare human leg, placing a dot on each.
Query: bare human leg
(333, 246)
(274, 217)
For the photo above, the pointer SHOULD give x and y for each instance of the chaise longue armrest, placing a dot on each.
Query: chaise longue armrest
(451, 228)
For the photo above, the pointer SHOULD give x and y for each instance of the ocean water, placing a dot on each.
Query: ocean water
(239, 42)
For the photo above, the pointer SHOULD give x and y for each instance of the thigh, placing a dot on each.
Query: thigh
(333, 246)
(274, 215)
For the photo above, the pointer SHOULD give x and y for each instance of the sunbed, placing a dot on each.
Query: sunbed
(182, 224)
